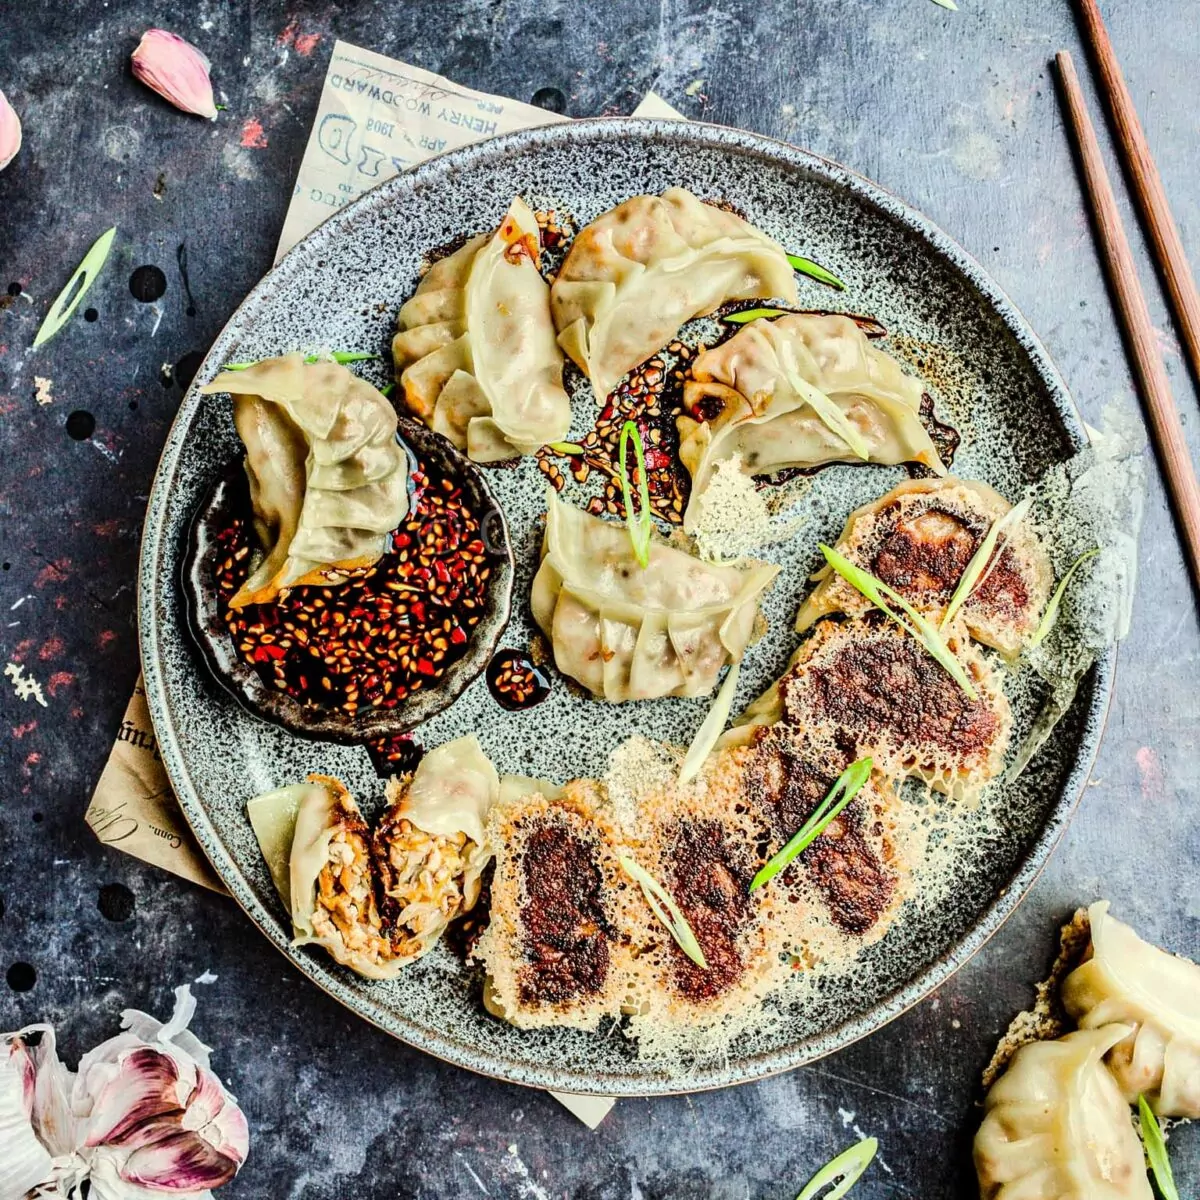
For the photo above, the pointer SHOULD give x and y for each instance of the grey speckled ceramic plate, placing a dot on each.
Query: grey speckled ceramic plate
(341, 288)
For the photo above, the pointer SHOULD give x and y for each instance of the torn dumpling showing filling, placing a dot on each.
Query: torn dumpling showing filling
(430, 846)
(919, 538)
(378, 901)
(333, 882)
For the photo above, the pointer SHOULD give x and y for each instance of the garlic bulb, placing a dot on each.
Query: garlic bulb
(176, 70)
(143, 1116)
(10, 132)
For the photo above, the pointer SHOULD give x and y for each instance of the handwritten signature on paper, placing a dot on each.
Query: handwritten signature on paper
(114, 824)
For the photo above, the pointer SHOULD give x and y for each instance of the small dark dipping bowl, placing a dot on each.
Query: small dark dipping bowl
(208, 550)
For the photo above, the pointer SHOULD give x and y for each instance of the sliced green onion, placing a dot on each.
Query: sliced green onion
(920, 628)
(754, 314)
(637, 523)
(947, 4)
(847, 1167)
(831, 416)
(1050, 616)
(388, 389)
(672, 918)
(975, 573)
(806, 266)
(847, 785)
(85, 275)
(1156, 1151)
(711, 728)
(565, 447)
(337, 356)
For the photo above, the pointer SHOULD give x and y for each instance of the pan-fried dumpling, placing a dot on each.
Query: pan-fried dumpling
(800, 391)
(1128, 980)
(328, 478)
(919, 539)
(640, 271)
(631, 633)
(1057, 1128)
(869, 684)
(430, 846)
(476, 353)
(554, 949)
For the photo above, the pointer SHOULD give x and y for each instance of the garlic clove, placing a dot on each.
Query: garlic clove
(176, 70)
(10, 132)
(213, 1114)
(146, 1088)
(183, 1162)
(27, 1162)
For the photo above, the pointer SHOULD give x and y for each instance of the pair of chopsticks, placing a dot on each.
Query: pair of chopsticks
(1168, 250)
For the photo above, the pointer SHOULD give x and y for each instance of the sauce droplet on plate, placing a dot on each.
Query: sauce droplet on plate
(515, 681)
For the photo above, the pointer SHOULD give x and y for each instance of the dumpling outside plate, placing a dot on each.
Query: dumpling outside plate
(343, 286)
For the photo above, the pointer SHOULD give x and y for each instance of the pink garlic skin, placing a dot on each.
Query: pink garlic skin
(164, 1121)
(176, 70)
(10, 132)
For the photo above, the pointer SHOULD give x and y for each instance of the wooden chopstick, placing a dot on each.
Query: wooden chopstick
(1135, 317)
(1146, 183)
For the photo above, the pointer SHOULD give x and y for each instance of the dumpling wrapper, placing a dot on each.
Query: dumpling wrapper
(1133, 982)
(631, 633)
(328, 478)
(639, 272)
(273, 819)
(476, 352)
(1057, 1127)
(452, 790)
(767, 419)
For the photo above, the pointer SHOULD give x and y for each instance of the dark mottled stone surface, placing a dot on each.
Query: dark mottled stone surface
(957, 113)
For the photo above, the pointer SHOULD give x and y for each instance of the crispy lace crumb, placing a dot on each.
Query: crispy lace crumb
(1047, 1019)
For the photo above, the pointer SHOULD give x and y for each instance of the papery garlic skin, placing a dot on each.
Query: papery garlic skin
(10, 132)
(144, 1116)
(176, 70)
(27, 1162)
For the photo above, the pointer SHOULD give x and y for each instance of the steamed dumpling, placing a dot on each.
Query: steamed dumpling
(476, 352)
(631, 633)
(800, 391)
(1057, 1128)
(1128, 980)
(919, 538)
(328, 478)
(637, 273)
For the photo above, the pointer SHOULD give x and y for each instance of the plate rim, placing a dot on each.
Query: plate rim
(155, 537)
